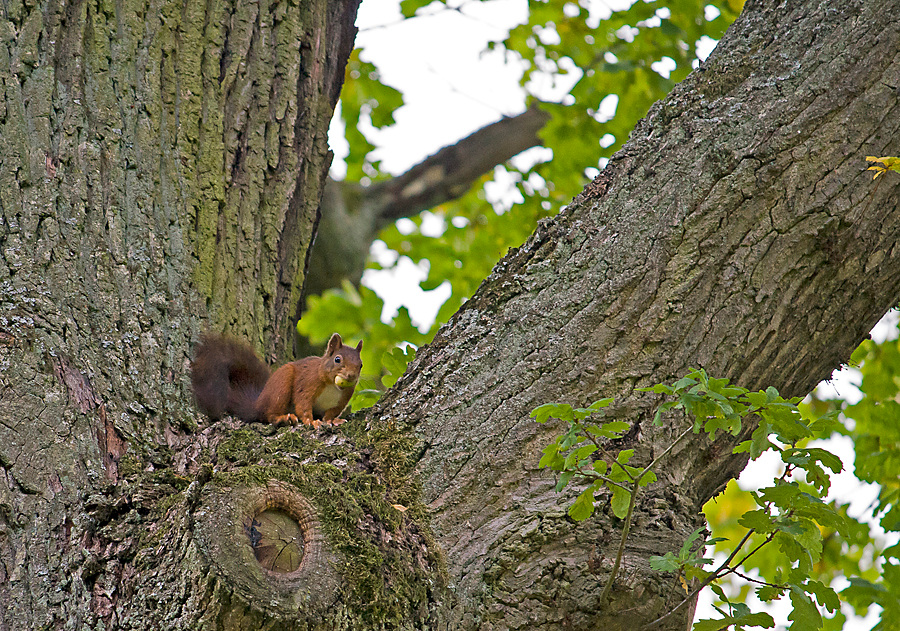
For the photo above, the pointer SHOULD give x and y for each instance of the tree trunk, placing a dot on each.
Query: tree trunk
(163, 162)
(159, 161)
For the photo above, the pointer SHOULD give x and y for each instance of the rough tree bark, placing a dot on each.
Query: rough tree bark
(736, 231)
(160, 162)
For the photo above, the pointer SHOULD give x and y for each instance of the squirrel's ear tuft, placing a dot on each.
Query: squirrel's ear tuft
(359, 346)
(334, 343)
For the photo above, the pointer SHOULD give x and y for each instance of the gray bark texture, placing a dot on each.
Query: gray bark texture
(160, 169)
(736, 231)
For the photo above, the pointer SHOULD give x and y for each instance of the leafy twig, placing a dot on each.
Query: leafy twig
(627, 527)
(625, 530)
(709, 579)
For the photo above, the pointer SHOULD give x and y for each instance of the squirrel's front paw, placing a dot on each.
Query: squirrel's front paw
(337, 421)
(313, 422)
(284, 419)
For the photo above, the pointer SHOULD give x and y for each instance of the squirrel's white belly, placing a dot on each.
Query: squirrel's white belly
(329, 398)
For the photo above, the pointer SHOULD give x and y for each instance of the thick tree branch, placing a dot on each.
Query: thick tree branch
(736, 231)
(352, 215)
(450, 172)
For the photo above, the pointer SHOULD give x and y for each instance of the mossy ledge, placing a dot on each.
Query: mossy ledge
(367, 561)
(372, 557)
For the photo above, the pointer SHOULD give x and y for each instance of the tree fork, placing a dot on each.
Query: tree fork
(736, 231)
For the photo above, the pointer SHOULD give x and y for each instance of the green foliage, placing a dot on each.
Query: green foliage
(784, 534)
(560, 41)
(843, 546)
(364, 98)
(572, 453)
(873, 426)
(686, 557)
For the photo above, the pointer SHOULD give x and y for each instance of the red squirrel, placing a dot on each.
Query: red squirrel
(228, 377)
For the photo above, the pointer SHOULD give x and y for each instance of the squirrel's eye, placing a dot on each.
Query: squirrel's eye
(337, 359)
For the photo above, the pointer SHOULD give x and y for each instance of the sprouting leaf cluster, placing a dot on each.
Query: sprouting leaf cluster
(787, 523)
(575, 454)
(883, 165)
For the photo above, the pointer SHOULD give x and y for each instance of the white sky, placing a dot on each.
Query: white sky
(451, 87)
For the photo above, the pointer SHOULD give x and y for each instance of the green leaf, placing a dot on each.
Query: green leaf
(757, 399)
(578, 455)
(769, 593)
(826, 596)
(718, 591)
(610, 430)
(570, 439)
(364, 398)
(583, 507)
(396, 362)
(564, 478)
(805, 616)
(561, 411)
(689, 542)
(666, 563)
(659, 388)
(600, 404)
(757, 520)
(647, 479)
(551, 458)
(621, 499)
(409, 7)
(782, 494)
(826, 458)
(684, 383)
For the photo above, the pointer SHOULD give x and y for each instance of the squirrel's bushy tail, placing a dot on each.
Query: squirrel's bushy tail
(227, 376)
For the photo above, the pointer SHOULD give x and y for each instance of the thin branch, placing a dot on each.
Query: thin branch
(593, 474)
(709, 579)
(757, 581)
(665, 453)
(625, 530)
(750, 554)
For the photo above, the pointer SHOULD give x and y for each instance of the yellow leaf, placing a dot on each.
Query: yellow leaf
(400, 507)
(878, 171)
(885, 164)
